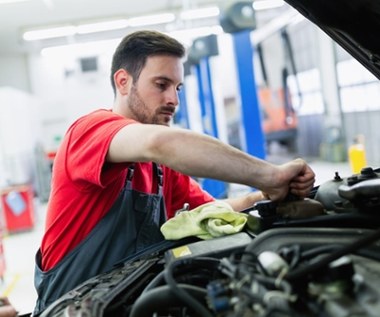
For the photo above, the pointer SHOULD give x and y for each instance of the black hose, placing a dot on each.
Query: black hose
(351, 248)
(290, 55)
(331, 248)
(262, 63)
(180, 293)
(158, 280)
(160, 298)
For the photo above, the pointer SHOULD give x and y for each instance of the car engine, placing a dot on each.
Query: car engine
(324, 261)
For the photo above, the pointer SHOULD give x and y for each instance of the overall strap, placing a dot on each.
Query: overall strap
(157, 170)
(128, 179)
(160, 177)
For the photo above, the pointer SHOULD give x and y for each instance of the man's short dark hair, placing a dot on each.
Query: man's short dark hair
(135, 48)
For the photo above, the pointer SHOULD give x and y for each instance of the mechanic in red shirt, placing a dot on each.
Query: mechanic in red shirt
(120, 173)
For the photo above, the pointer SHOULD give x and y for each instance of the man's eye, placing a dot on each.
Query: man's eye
(161, 86)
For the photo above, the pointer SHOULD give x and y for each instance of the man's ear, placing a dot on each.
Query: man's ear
(122, 80)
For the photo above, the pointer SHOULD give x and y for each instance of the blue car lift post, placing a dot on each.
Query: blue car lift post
(254, 140)
(182, 116)
(216, 188)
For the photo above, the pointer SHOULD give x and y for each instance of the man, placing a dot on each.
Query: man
(109, 199)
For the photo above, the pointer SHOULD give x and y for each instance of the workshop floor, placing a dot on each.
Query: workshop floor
(20, 248)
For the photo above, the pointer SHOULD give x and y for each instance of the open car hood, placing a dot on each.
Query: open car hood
(351, 23)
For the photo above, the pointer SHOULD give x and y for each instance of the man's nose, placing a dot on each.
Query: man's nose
(173, 97)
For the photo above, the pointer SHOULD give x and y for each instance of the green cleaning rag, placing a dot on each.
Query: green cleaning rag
(211, 220)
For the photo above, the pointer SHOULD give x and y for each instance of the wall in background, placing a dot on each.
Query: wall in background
(14, 72)
(19, 134)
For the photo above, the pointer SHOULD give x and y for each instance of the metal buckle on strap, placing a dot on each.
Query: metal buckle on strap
(131, 171)
(186, 207)
(160, 174)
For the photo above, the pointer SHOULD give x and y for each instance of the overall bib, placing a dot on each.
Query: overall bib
(131, 225)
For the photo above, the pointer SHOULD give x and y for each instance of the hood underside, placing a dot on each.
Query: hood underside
(353, 24)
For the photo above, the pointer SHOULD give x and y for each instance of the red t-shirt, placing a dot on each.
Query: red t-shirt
(84, 186)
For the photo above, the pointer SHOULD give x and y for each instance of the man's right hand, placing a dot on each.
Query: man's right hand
(295, 177)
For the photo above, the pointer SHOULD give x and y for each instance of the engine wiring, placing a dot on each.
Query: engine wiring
(344, 250)
(249, 284)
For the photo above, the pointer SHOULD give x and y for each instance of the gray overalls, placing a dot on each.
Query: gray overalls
(132, 224)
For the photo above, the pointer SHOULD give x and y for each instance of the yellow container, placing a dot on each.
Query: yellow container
(357, 157)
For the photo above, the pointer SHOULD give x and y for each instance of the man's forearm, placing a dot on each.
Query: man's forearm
(246, 201)
(202, 156)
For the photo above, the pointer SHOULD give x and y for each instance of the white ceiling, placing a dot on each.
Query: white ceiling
(16, 17)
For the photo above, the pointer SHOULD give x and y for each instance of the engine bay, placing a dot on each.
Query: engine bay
(318, 256)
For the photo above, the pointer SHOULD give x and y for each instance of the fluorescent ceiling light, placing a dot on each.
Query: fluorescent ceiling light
(49, 33)
(80, 49)
(102, 26)
(267, 4)
(274, 26)
(12, 1)
(152, 19)
(98, 47)
(199, 13)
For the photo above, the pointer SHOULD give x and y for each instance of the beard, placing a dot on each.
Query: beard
(143, 114)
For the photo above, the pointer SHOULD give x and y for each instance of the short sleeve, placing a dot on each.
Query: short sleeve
(88, 140)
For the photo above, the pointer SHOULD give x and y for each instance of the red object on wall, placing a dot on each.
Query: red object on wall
(2, 257)
(17, 208)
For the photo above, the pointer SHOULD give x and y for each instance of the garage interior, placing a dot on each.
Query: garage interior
(311, 105)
